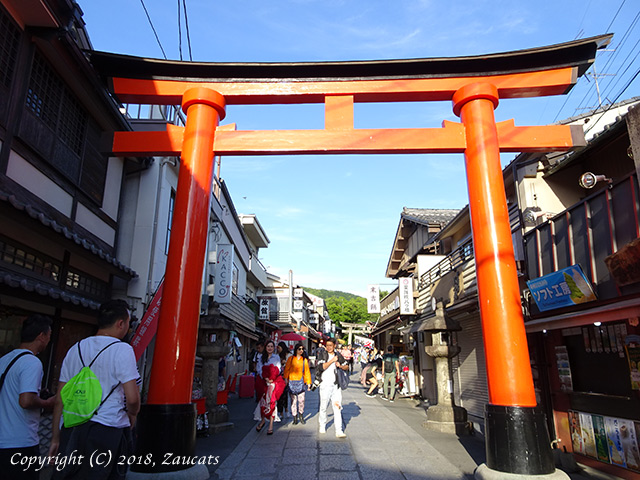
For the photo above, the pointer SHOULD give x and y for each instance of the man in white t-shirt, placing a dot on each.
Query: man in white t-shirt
(20, 401)
(109, 430)
(330, 391)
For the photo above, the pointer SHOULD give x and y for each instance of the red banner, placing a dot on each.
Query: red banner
(148, 325)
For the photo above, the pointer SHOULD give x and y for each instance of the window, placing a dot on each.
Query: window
(172, 201)
(25, 260)
(9, 36)
(83, 283)
(58, 127)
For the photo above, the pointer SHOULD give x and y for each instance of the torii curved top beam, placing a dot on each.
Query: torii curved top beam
(577, 53)
(523, 73)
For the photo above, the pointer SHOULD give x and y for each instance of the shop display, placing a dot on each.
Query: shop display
(600, 434)
(608, 439)
(612, 426)
(564, 369)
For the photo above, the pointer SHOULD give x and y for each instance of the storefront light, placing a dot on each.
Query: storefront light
(597, 324)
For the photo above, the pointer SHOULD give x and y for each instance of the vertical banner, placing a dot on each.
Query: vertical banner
(373, 299)
(148, 325)
(264, 309)
(405, 287)
(224, 273)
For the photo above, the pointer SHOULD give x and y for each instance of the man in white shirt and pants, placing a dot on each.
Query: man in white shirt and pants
(329, 388)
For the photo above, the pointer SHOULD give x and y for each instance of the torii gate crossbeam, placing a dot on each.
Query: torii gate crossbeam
(516, 429)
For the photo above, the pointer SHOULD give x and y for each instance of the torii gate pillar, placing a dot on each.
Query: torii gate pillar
(516, 431)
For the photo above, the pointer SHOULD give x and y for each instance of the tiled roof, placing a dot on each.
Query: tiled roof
(429, 216)
(62, 230)
(15, 281)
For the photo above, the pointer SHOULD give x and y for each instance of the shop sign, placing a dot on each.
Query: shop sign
(364, 341)
(297, 293)
(264, 309)
(405, 286)
(373, 299)
(563, 288)
(224, 273)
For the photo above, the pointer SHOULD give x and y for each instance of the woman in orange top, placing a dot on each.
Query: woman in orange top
(298, 376)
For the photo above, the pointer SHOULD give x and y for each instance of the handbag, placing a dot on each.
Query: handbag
(296, 387)
(343, 378)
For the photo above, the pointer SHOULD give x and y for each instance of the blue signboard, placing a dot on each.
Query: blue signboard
(563, 288)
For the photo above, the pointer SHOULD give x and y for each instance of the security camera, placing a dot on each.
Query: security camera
(589, 180)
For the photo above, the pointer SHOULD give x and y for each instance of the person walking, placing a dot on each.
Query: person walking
(108, 432)
(283, 401)
(268, 368)
(253, 368)
(390, 374)
(330, 391)
(298, 377)
(20, 401)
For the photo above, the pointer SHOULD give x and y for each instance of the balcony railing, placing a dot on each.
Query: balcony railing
(162, 113)
(585, 234)
(452, 261)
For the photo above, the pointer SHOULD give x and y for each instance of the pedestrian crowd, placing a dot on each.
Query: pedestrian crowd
(380, 374)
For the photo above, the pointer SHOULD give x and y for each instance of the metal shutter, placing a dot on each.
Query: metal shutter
(469, 370)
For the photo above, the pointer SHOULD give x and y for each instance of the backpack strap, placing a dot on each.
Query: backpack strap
(92, 362)
(96, 357)
(6, 371)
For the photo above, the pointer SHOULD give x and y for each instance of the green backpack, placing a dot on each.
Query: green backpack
(82, 394)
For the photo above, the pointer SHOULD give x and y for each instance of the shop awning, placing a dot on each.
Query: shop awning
(604, 313)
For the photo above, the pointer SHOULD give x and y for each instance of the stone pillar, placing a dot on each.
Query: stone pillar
(446, 416)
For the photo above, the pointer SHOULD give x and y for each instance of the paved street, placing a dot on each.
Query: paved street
(384, 441)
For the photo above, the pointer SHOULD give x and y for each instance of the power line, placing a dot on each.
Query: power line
(186, 23)
(179, 31)
(153, 28)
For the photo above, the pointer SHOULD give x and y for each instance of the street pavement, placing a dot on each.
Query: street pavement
(384, 441)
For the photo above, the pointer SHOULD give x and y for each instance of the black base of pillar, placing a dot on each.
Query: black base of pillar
(517, 440)
(163, 430)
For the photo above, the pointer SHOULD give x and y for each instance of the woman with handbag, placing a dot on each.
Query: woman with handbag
(298, 376)
(272, 387)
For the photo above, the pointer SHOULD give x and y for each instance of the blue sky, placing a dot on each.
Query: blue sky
(332, 219)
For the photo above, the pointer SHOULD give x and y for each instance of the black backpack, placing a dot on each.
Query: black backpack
(389, 363)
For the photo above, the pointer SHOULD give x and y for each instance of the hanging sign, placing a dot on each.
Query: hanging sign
(405, 287)
(224, 273)
(373, 299)
(148, 325)
(563, 288)
(264, 309)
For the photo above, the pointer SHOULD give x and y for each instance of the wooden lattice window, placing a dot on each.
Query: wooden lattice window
(9, 37)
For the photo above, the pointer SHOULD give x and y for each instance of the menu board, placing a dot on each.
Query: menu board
(588, 437)
(616, 453)
(564, 369)
(602, 447)
(608, 439)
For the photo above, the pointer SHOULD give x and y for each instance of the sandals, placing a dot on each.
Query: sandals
(269, 432)
(260, 427)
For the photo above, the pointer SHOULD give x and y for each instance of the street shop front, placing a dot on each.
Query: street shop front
(586, 373)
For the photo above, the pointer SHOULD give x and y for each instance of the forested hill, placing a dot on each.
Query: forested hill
(322, 293)
(343, 306)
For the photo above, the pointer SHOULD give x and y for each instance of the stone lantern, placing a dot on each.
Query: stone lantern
(213, 344)
(445, 416)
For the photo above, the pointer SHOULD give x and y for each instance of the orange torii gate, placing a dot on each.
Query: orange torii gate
(516, 436)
